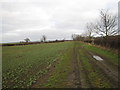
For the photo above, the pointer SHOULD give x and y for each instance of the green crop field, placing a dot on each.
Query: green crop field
(55, 65)
(22, 65)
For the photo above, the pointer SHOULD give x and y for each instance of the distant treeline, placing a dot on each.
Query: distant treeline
(30, 43)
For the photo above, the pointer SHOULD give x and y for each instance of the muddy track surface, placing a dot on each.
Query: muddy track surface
(104, 68)
(76, 70)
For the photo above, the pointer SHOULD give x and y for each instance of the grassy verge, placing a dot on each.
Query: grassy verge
(105, 52)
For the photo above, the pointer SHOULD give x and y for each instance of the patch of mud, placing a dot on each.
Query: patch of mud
(97, 58)
(74, 76)
(71, 79)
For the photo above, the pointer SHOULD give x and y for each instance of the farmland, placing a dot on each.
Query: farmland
(59, 65)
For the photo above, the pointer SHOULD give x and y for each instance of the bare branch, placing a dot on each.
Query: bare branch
(107, 23)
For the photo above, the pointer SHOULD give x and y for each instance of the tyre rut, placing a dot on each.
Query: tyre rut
(105, 70)
(76, 70)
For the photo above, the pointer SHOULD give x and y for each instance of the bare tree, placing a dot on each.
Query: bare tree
(27, 40)
(107, 25)
(76, 37)
(90, 29)
(43, 38)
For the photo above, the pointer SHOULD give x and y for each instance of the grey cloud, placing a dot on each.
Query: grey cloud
(56, 19)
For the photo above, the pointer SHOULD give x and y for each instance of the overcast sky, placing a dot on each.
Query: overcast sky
(57, 19)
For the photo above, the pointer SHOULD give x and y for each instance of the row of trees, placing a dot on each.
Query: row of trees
(103, 31)
(104, 26)
(43, 39)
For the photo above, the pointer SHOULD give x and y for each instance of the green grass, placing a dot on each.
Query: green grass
(22, 65)
(107, 53)
(94, 77)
